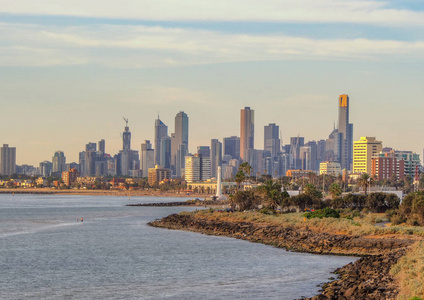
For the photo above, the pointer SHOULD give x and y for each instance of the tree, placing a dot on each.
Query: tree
(244, 200)
(271, 194)
(365, 181)
(239, 178)
(312, 191)
(335, 190)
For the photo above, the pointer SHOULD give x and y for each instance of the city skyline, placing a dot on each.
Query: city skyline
(69, 74)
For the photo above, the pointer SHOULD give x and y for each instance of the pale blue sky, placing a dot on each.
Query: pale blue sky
(68, 73)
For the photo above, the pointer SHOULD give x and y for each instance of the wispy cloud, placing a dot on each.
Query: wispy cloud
(323, 11)
(143, 46)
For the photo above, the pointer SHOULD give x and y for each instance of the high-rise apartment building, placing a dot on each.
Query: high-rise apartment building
(59, 162)
(46, 168)
(387, 166)
(8, 160)
(216, 156)
(158, 174)
(247, 132)
(197, 168)
(102, 146)
(344, 153)
(363, 151)
(161, 131)
(272, 143)
(231, 146)
(147, 158)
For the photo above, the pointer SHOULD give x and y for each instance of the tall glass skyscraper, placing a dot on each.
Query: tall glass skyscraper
(345, 129)
(247, 132)
(161, 131)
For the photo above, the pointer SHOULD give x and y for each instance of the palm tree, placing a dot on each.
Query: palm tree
(335, 190)
(365, 181)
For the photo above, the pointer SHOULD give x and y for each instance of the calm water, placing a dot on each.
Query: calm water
(46, 253)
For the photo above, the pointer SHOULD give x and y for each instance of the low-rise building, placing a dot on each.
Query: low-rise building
(330, 168)
(158, 174)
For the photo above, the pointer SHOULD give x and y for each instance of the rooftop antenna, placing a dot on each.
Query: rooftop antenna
(126, 121)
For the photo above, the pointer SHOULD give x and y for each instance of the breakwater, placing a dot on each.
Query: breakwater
(367, 278)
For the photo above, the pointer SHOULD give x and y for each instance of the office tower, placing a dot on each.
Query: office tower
(321, 146)
(272, 142)
(232, 146)
(204, 151)
(59, 162)
(8, 160)
(147, 158)
(161, 131)
(346, 131)
(46, 168)
(330, 168)
(165, 152)
(126, 137)
(363, 151)
(314, 155)
(247, 133)
(180, 160)
(256, 160)
(127, 159)
(102, 146)
(197, 168)
(216, 156)
(305, 156)
(91, 147)
(295, 144)
(178, 138)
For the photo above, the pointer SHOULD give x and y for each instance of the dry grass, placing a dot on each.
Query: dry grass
(409, 271)
(360, 226)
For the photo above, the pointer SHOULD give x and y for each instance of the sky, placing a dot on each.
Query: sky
(71, 70)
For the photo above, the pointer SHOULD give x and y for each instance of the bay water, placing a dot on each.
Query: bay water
(46, 252)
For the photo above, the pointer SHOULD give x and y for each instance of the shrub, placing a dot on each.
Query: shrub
(323, 213)
(268, 211)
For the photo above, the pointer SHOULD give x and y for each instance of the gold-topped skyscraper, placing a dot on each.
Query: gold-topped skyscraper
(344, 148)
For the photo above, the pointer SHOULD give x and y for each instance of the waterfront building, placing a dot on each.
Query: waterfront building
(363, 151)
(161, 131)
(69, 177)
(59, 162)
(147, 158)
(296, 174)
(330, 168)
(272, 141)
(231, 146)
(197, 168)
(247, 132)
(216, 156)
(158, 174)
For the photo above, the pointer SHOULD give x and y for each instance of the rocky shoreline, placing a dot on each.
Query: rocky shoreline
(196, 202)
(367, 278)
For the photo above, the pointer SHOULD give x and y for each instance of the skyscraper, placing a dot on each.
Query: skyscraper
(272, 142)
(179, 138)
(204, 151)
(247, 132)
(147, 158)
(232, 146)
(126, 137)
(102, 146)
(161, 130)
(346, 130)
(8, 160)
(165, 152)
(59, 162)
(216, 156)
